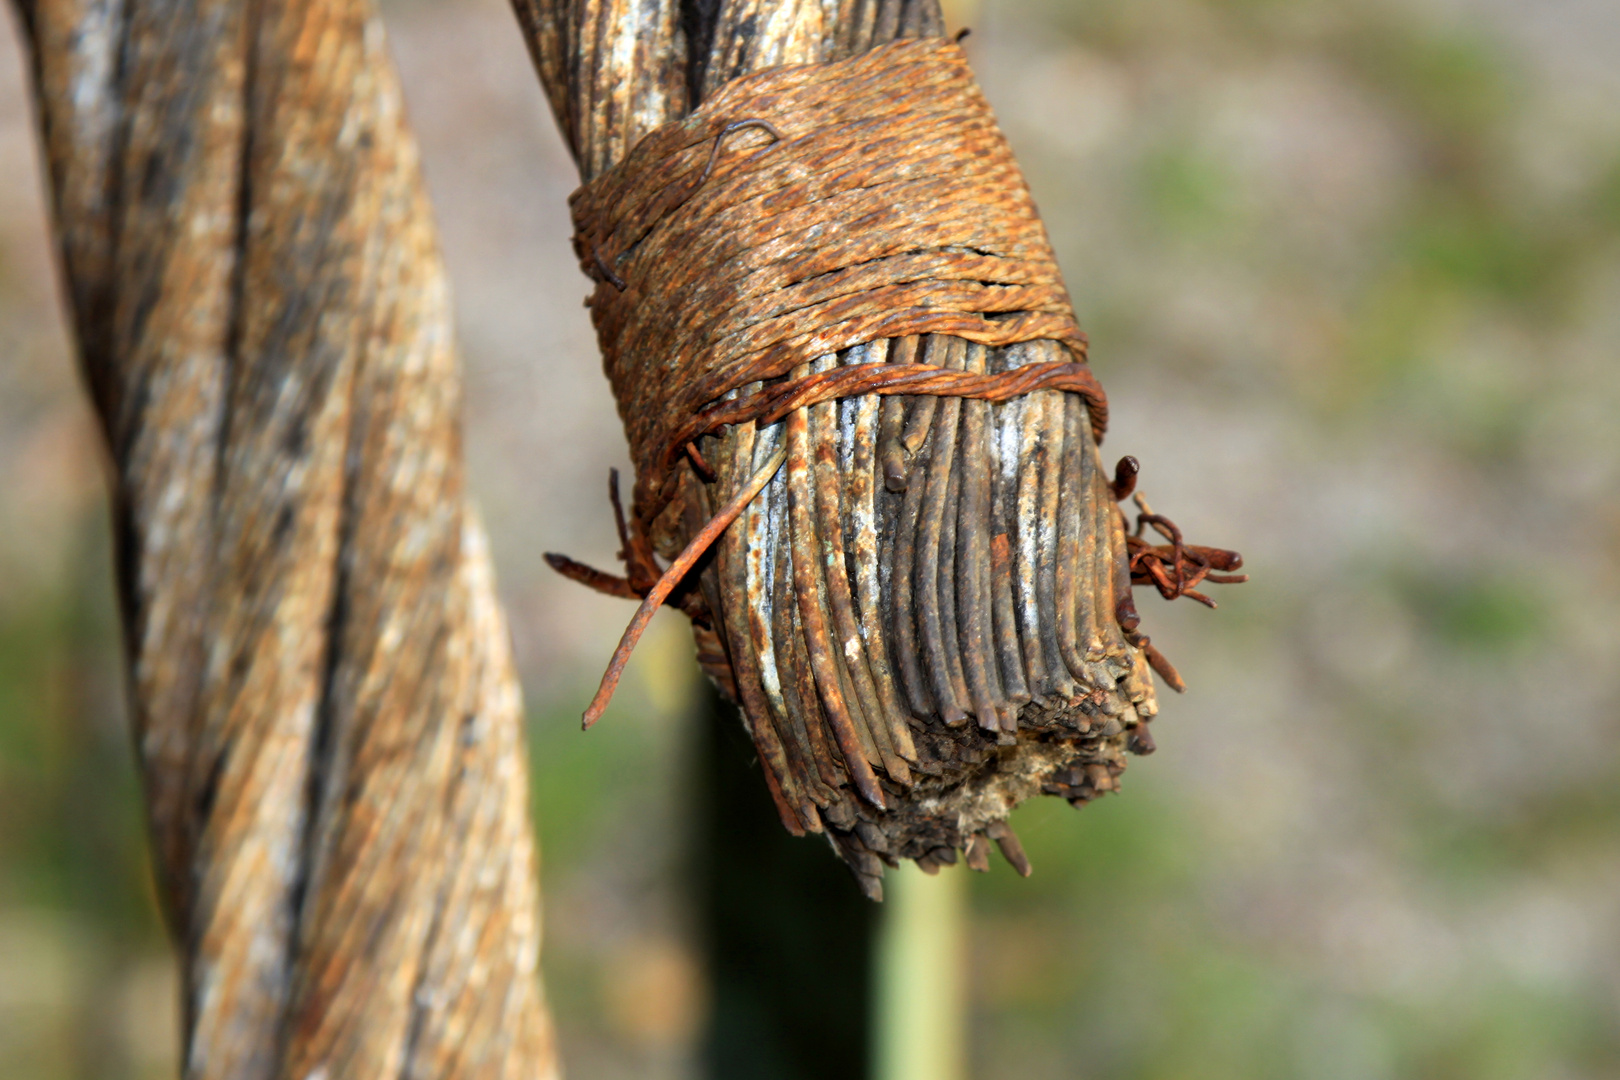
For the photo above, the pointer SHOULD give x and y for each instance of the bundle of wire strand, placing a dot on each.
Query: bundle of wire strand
(866, 442)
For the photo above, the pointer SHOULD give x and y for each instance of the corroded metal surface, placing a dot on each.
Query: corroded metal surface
(801, 211)
(927, 608)
(327, 717)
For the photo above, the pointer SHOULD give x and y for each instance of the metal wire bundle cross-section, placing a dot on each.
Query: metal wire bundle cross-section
(859, 410)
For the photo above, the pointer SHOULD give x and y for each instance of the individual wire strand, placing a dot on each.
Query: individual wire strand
(797, 683)
(972, 570)
(861, 525)
(1110, 567)
(672, 577)
(1060, 682)
(812, 620)
(1081, 644)
(1006, 462)
(932, 547)
(1074, 472)
(831, 471)
(1026, 527)
(784, 775)
(904, 616)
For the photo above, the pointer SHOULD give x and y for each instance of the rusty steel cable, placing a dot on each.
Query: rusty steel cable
(925, 614)
(326, 714)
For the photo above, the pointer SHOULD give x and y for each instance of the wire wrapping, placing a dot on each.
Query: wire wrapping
(721, 263)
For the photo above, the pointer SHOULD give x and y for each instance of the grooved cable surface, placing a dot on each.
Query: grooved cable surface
(804, 210)
(326, 713)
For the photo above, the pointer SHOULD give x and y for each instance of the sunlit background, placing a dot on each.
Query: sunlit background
(1351, 271)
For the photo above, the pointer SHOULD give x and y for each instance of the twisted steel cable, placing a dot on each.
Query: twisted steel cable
(325, 709)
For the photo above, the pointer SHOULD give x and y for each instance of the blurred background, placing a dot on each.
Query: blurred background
(1351, 271)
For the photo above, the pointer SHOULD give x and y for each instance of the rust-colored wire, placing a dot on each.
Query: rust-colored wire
(804, 210)
(655, 597)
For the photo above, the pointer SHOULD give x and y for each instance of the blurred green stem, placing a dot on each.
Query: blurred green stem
(920, 1027)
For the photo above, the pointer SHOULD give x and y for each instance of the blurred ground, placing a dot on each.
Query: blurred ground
(1352, 276)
